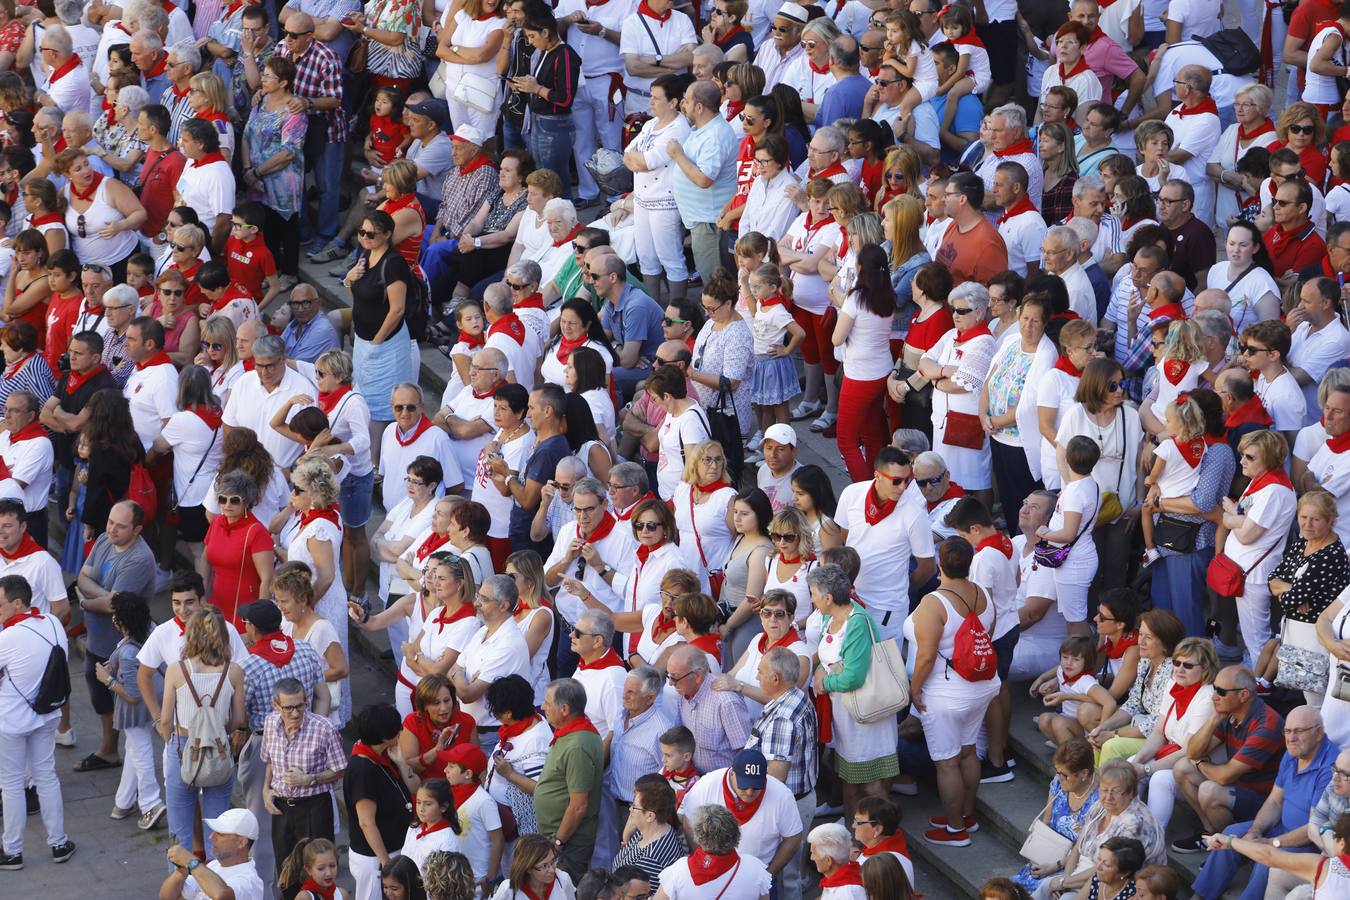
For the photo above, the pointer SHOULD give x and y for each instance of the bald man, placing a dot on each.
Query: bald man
(308, 335)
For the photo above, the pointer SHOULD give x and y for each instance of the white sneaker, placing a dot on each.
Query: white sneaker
(66, 738)
(804, 410)
(825, 421)
(754, 459)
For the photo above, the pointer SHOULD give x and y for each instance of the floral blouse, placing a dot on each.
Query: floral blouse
(120, 141)
(1007, 381)
(401, 16)
(499, 216)
(1148, 699)
(1064, 820)
(1314, 580)
(268, 133)
(1135, 821)
(728, 351)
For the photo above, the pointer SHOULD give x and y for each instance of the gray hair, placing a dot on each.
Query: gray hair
(567, 691)
(149, 39)
(1244, 680)
(785, 664)
(154, 19)
(1013, 115)
(33, 401)
(629, 474)
(823, 26)
(911, 440)
(133, 97)
(591, 487)
(287, 687)
(77, 118)
(833, 840)
(1259, 94)
(1122, 773)
(563, 208)
(832, 582)
(54, 116)
(187, 52)
(404, 386)
(846, 53)
(238, 482)
(715, 828)
(612, 264)
(694, 658)
(269, 346)
(712, 52)
(865, 228)
(70, 11)
(651, 680)
(1063, 237)
(121, 294)
(600, 621)
(931, 458)
(1087, 183)
(504, 589)
(58, 39)
(577, 468)
(973, 291)
(1083, 228)
(1215, 324)
(1336, 379)
(527, 270)
(497, 297)
(829, 133)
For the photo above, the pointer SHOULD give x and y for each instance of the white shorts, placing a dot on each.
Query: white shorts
(1062, 587)
(954, 720)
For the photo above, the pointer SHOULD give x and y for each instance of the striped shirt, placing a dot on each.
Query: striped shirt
(35, 377)
(654, 857)
(786, 732)
(720, 724)
(1256, 741)
(635, 749)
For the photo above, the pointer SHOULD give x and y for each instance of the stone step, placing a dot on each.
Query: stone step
(961, 870)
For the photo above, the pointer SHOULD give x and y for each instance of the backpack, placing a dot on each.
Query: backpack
(141, 488)
(54, 689)
(1234, 49)
(973, 654)
(206, 760)
(416, 312)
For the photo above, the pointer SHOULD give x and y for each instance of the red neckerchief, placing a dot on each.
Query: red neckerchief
(1080, 66)
(1024, 145)
(1067, 367)
(644, 9)
(643, 553)
(433, 543)
(474, 165)
(473, 341)
(813, 227)
(249, 364)
(465, 611)
(177, 94)
(93, 187)
(213, 157)
(462, 793)
(743, 812)
(1340, 443)
(111, 110)
(276, 648)
(522, 606)
(1204, 106)
(525, 888)
(662, 627)
(442, 823)
(734, 107)
(1066, 680)
(364, 750)
(1266, 127)
(892, 843)
(75, 380)
(1274, 476)
(313, 887)
(819, 70)
(60, 146)
(786, 640)
(1116, 649)
(567, 239)
(328, 512)
(565, 347)
(1183, 695)
(601, 531)
(30, 432)
(609, 661)
(190, 274)
(64, 69)
(954, 491)
(969, 39)
(511, 326)
(1191, 451)
(421, 428)
(1023, 205)
(515, 729)
(849, 873)
(210, 415)
(489, 392)
(46, 219)
(705, 867)
(726, 38)
(579, 724)
(212, 115)
(13, 368)
(30, 613)
(534, 301)
(1168, 310)
(328, 400)
(486, 16)
(710, 644)
(827, 172)
(875, 510)
(627, 514)
(775, 300)
(971, 333)
(230, 10)
(1174, 370)
(1000, 542)
(712, 486)
(182, 626)
(680, 775)
(1252, 412)
(1279, 235)
(159, 359)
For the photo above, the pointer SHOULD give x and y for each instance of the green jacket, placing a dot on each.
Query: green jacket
(856, 657)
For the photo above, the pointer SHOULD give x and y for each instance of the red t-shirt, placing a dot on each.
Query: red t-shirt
(1294, 252)
(59, 325)
(229, 553)
(745, 171)
(159, 174)
(386, 136)
(420, 727)
(977, 255)
(249, 264)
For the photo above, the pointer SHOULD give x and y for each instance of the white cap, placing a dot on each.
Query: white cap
(235, 821)
(782, 433)
(794, 12)
(468, 134)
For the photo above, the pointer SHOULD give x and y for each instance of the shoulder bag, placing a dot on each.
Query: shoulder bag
(1111, 508)
(1226, 578)
(715, 579)
(725, 428)
(885, 690)
(1051, 557)
(172, 516)
(1304, 663)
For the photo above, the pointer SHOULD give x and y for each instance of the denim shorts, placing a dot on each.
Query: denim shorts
(355, 498)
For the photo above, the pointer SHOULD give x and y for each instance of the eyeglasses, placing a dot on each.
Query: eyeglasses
(477, 368)
(782, 29)
(405, 407)
(780, 536)
(212, 345)
(579, 248)
(289, 708)
(578, 633)
(1168, 201)
(775, 613)
(309, 301)
(858, 823)
(1302, 129)
(1101, 618)
(95, 267)
(1249, 457)
(1297, 732)
(181, 248)
(669, 322)
(1279, 202)
(1157, 343)
(222, 500)
(647, 526)
(1339, 773)
(415, 482)
(676, 679)
(712, 460)
(584, 510)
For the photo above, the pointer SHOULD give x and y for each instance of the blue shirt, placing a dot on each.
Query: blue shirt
(928, 121)
(1101, 287)
(712, 147)
(636, 317)
(540, 467)
(844, 99)
(1303, 789)
(311, 340)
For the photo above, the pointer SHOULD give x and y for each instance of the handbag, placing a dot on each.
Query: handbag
(357, 58)
(476, 92)
(725, 427)
(1176, 534)
(1304, 663)
(963, 430)
(1051, 557)
(1111, 507)
(172, 516)
(1226, 578)
(1044, 845)
(885, 690)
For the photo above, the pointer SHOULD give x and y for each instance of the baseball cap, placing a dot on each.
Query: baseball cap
(235, 821)
(751, 770)
(782, 433)
(793, 12)
(468, 134)
(433, 109)
(262, 615)
(468, 756)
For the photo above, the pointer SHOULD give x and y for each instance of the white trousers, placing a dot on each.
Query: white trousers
(366, 872)
(1163, 792)
(594, 128)
(31, 751)
(1253, 609)
(659, 234)
(139, 783)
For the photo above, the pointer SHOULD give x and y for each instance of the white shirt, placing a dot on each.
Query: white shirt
(776, 818)
(777, 488)
(24, 650)
(773, 63)
(809, 84)
(197, 451)
(1273, 508)
(1314, 352)
(395, 457)
(1115, 22)
(419, 848)
(243, 881)
(1332, 471)
(71, 91)
(599, 57)
(1082, 298)
(615, 548)
(1283, 399)
(809, 290)
(152, 393)
(464, 405)
(29, 462)
(887, 546)
(1192, 53)
(749, 881)
(867, 351)
(477, 817)
(252, 406)
(491, 659)
(997, 574)
(522, 357)
(689, 427)
(1023, 234)
(670, 35)
(1197, 18)
(604, 697)
(164, 646)
(208, 189)
(767, 208)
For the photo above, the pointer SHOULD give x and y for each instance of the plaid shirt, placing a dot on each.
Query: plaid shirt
(260, 677)
(720, 724)
(786, 731)
(318, 73)
(315, 749)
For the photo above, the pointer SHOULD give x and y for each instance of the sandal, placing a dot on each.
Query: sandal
(93, 762)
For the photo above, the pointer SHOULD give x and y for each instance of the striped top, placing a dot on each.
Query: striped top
(34, 376)
(651, 859)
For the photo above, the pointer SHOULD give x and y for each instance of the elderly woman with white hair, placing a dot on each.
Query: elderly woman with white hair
(1251, 105)
(957, 365)
(120, 145)
(715, 871)
(560, 218)
(831, 848)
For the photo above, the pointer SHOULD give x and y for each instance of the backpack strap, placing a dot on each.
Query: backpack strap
(187, 679)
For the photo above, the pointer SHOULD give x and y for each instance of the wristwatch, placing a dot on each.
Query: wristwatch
(477, 243)
(193, 864)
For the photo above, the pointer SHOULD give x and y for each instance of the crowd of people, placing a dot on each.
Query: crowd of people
(643, 649)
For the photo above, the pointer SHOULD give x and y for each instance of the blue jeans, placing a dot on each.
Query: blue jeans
(325, 160)
(512, 139)
(354, 499)
(438, 262)
(1179, 586)
(1222, 865)
(550, 140)
(181, 799)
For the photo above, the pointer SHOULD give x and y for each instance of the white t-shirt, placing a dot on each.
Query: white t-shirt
(1283, 399)
(1314, 352)
(396, 456)
(1332, 471)
(477, 817)
(43, 574)
(1273, 508)
(71, 91)
(493, 658)
(164, 646)
(1179, 477)
(997, 574)
(749, 881)
(1055, 391)
(1023, 235)
(604, 697)
(776, 818)
(810, 292)
(1083, 497)
(1338, 203)
(419, 848)
(152, 393)
(1255, 283)
(867, 352)
(887, 546)
(670, 35)
(1080, 687)
(208, 189)
(197, 452)
(242, 879)
(689, 427)
(252, 406)
(615, 548)
(485, 490)
(30, 462)
(1198, 18)
(25, 647)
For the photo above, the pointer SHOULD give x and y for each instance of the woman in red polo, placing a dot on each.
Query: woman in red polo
(434, 726)
(239, 550)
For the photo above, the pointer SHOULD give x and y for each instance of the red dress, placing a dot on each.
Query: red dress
(229, 552)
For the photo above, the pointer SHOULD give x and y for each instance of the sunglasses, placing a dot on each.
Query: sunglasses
(748, 120)
(896, 480)
(1224, 692)
(296, 35)
(366, 233)
(895, 176)
(1302, 129)
(767, 613)
(778, 537)
(1113, 386)
(578, 633)
(647, 526)
(172, 292)
(1185, 665)
(222, 500)
(929, 482)
(405, 407)
(212, 345)
(79, 225)
(962, 311)
(1248, 349)
(516, 286)
(668, 321)
(181, 248)
(782, 29)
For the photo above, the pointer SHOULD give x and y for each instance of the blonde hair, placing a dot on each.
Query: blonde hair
(1324, 504)
(690, 475)
(905, 214)
(1183, 342)
(1268, 445)
(209, 83)
(794, 518)
(531, 568)
(318, 479)
(219, 329)
(204, 637)
(904, 158)
(1190, 417)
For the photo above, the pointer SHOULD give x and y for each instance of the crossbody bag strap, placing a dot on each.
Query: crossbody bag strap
(1121, 474)
(656, 48)
(738, 860)
(1245, 272)
(201, 462)
(693, 520)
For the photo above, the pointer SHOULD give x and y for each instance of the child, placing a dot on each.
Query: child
(388, 137)
(1180, 361)
(677, 761)
(1068, 684)
(907, 50)
(774, 380)
(313, 865)
(400, 879)
(141, 275)
(752, 250)
(437, 825)
(1071, 524)
(131, 617)
(972, 73)
(1176, 465)
(221, 296)
(247, 257)
(469, 323)
(480, 825)
(72, 555)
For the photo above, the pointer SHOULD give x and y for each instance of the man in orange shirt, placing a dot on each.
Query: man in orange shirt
(972, 248)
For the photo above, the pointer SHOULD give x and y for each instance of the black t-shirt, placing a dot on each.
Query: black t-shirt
(540, 467)
(366, 780)
(1191, 249)
(370, 303)
(64, 444)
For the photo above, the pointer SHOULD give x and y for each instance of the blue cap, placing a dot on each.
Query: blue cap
(751, 770)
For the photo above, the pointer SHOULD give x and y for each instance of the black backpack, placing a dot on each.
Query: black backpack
(416, 314)
(54, 690)
(1236, 52)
